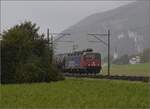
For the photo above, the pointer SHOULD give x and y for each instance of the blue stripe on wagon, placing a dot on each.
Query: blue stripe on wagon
(73, 62)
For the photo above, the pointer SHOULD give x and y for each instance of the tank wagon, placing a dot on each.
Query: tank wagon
(85, 61)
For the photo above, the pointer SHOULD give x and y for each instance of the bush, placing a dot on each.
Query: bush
(122, 60)
(26, 57)
(29, 72)
(55, 75)
(145, 55)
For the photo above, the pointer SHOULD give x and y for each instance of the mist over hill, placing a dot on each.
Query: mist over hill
(129, 26)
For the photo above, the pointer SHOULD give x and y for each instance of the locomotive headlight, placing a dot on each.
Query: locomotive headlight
(97, 64)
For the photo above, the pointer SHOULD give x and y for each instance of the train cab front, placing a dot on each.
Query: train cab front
(92, 62)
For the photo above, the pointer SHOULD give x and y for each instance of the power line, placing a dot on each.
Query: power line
(100, 40)
(52, 41)
(105, 43)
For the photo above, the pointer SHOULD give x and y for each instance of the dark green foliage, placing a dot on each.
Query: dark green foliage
(145, 55)
(122, 60)
(25, 56)
(105, 59)
(54, 75)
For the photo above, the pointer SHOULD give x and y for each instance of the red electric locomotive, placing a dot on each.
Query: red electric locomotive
(85, 61)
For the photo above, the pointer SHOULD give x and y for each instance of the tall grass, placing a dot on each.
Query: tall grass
(76, 93)
(129, 70)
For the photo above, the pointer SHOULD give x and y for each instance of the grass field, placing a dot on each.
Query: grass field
(129, 70)
(76, 93)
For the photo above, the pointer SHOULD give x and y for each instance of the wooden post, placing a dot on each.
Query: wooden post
(108, 52)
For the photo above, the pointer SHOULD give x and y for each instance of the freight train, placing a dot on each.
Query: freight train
(85, 61)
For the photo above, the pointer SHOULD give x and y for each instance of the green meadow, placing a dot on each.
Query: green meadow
(75, 93)
(129, 70)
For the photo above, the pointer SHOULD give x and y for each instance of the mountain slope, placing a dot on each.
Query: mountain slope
(129, 26)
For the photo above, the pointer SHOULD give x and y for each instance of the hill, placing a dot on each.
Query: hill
(129, 26)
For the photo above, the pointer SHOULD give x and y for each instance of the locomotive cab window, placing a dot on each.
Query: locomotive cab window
(98, 56)
(91, 56)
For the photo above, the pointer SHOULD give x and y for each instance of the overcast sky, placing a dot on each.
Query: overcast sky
(58, 15)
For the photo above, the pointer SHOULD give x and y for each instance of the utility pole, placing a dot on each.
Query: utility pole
(50, 45)
(108, 52)
(52, 41)
(105, 43)
(48, 37)
(74, 47)
(52, 48)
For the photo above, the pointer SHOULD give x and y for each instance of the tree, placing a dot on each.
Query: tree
(25, 56)
(145, 55)
(122, 60)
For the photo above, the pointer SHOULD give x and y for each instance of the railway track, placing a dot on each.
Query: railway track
(112, 77)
